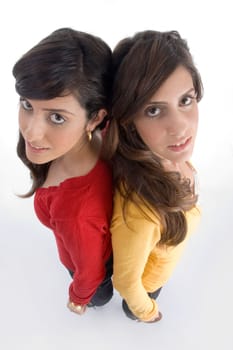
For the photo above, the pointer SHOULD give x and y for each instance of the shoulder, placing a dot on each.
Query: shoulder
(136, 208)
(100, 179)
(98, 196)
(137, 215)
(136, 226)
(103, 168)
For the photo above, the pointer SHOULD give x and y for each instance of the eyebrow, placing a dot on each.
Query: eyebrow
(185, 93)
(57, 110)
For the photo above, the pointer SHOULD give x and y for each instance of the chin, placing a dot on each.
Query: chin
(37, 161)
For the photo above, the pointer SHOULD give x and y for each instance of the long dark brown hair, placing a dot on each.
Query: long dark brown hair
(66, 61)
(141, 65)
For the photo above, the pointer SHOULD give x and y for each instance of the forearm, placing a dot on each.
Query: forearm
(137, 299)
(131, 252)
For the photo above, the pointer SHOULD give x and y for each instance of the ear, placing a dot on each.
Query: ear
(95, 121)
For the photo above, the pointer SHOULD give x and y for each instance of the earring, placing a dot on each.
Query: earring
(89, 135)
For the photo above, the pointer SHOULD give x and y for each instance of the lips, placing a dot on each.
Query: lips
(180, 146)
(35, 148)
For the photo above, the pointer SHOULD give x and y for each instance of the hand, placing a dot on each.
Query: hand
(78, 309)
(155, 318)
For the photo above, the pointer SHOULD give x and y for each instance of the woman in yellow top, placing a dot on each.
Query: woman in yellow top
(150, 140)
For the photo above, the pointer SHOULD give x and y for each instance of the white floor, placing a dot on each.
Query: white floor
(196, 304)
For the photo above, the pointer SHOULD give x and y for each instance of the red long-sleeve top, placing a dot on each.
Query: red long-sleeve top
(79, 212)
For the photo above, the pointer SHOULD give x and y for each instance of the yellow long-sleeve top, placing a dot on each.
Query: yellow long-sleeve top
(140, 264)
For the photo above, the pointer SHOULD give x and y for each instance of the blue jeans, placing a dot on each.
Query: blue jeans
(129, 313)
(104, 292)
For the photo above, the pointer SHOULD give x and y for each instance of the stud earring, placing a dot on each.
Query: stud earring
(89, 135)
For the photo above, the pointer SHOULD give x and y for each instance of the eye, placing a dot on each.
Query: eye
(25, 104)
(57, 118)
(187, 100)
(152, 111)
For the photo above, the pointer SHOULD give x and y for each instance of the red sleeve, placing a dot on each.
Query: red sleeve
(89, 246)
(79, 213)
(41, 210)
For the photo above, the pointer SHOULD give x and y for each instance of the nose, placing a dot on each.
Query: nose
(35, 129)
(178, 124)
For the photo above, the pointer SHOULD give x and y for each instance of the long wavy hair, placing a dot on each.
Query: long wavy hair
(141, 65)
(67, 61)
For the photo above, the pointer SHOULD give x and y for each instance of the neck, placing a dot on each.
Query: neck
(75, 163)
(173, 166)
(81, 161)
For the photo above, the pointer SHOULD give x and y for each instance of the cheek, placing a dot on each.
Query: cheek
(68, 138)
(195, 116)
(21, 121)
(195, 122)
(151, 137)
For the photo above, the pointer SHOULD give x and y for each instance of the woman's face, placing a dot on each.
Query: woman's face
(52, 128)
(168, 121)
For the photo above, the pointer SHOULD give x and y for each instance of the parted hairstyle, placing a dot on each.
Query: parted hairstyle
(67, 61)
(141, 64)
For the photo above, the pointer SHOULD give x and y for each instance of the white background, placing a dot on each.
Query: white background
(197, 301)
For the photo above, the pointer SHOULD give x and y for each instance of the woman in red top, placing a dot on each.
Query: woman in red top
(64, 83)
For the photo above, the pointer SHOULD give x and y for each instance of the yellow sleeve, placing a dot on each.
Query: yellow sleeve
(132, 245)
(140, 265)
